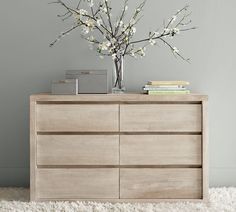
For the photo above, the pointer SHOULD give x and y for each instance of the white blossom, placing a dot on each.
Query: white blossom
(104, 9)
(175, 50)
(132, 21)
(85, 30)
(176, 30)
(90, 3)
(132, 54)
(111, 49)
(113, 40)
(166, 30)
(124, 27)
(114, 56)
(90, 23)
(120, 24)
(91, 38)
(156, 34)
(76, 16)
(141, 51)
(152, 42)
(126, 7)
(173, 19)
(99, 22)
(104, 45)
(133, 30)
(83, 12)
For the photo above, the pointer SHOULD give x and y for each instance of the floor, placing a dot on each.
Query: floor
(17, 199)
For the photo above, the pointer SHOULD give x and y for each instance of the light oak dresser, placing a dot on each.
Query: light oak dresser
(118, 148)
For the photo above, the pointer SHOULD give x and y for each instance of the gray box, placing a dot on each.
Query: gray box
(64, 87)
(90, 81)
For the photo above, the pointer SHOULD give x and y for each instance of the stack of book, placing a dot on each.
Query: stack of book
(166, 87)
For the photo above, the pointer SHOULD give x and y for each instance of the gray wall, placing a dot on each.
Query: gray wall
(27, 65)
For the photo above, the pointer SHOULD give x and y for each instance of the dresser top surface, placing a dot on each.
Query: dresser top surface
(129, 97)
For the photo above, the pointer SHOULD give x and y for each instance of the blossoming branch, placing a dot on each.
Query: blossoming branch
(112, 36)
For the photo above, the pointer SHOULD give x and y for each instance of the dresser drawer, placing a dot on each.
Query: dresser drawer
(78, 150)
(77, 183)
(160, 118)
(161, 183)
(77, 117)
(160, 150)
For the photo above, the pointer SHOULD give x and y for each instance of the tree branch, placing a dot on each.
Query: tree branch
(109, 17)
(172, 49)
(63, 34)
(78, 4)
(121, 17)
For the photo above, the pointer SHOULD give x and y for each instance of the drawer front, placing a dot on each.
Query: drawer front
(161, 183)
(78, 150)
(77, 183)
(160, 150)
(77, 117)
(160, 118)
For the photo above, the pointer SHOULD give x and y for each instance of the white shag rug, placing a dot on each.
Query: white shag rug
(17, 200)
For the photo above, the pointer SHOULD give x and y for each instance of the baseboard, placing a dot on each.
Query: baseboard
(14, 177)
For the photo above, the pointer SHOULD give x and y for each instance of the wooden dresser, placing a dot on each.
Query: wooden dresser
(118, 148)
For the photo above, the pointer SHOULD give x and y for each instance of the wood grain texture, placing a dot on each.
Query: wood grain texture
(33, 164)
(126, 200)
(160, 118)
(77, 183)
(78, 149)
(205, 168)
(128, 97)
(161, 183)
(75, 140)
(160, 150)
(72, 118)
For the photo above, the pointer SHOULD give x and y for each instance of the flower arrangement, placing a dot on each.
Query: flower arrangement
(114, 36)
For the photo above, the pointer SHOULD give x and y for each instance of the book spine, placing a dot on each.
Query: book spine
(163, 89)
(168, 83)
(168, 92)
(164, 86)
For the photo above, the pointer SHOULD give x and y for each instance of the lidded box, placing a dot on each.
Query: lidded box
(64, 87)
(90, 81)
